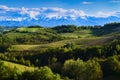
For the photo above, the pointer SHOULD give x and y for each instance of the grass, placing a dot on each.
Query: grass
(83, 38)
(34, 30)
(85, 33)
(23, 47)
(14, 34)
(42, 33)
(79, 42)
(20, 67)
(77, 34)
(29, 29)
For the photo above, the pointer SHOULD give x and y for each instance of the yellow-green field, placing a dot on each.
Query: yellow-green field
(29, 29)
(77, 34)
(20, 67)
(79, 42)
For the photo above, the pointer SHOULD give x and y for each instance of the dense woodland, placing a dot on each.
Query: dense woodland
(93, 56)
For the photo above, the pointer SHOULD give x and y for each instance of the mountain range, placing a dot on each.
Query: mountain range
(52, 16)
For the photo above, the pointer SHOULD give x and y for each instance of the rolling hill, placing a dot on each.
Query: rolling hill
(19, 67)
(39, 38)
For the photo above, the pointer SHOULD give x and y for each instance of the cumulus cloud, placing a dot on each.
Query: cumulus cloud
(85, 2)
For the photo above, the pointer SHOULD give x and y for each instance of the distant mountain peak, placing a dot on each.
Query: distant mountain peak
(52, 16)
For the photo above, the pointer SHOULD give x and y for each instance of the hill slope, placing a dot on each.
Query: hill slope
(20, 67)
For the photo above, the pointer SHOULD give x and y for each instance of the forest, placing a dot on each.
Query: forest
(64, 52)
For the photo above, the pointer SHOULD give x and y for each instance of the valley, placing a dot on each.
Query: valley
(86, 50)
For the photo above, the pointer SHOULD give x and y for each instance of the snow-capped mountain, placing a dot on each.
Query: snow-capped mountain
(52, 17)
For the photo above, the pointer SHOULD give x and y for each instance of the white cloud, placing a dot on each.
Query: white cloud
(3, 7)
(24, 10)
(104, 14)
(19, 14)
(52, 12)
(59, 12)
(3, 18)
(85, 2)
(76, 12)
(8, 9)
(33, 14)
(46, 12)
(15, 19)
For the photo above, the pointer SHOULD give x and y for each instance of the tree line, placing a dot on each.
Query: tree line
(105, 58)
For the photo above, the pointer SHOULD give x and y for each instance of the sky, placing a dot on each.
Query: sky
(27, 10)
(88, 6)
(97, 8)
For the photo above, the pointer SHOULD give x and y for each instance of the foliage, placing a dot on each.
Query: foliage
(80, 70)
(5, 43)
(111, 66)
(44, 73)
(65, 28)
(69, 50)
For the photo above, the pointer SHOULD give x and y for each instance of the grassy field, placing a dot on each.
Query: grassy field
(32, 30)
(82, 38)
(31, 41)
(83, 42)
(79, 34)
(39, 34)
(14, 34)
(29, 29)
(83, 33)
(20, 67)
(52, 45)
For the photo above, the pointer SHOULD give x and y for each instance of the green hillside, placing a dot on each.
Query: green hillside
(83, 42)
(65, 52)
(20, 67)
(39, 38)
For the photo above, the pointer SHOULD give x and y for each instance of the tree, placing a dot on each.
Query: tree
(111, 66)
(6, 73)
(80, 70)
(93, 70)
(2, 71)
(70, 45)
(44, 73)
(95, 51)
(74, 69)
(5, 43)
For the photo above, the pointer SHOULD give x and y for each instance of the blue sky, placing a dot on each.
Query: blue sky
(88, 6)
(22, 10)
